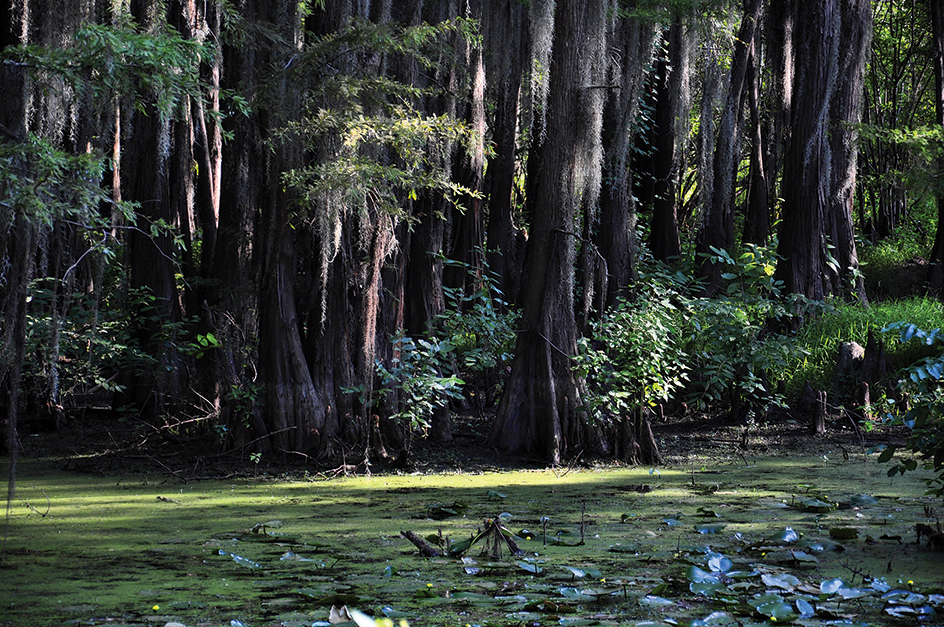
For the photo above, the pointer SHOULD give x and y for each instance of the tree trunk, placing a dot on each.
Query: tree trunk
(718, 228)
(757, 207)
(616, 235)
(855, 36)
(538, 412)
(503, 30)
(936, 270)
(806, 177)
(664, 239)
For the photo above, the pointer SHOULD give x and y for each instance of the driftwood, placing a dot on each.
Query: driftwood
(935, 538)
(425, 549)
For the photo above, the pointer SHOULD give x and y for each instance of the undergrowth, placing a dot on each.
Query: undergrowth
(821, 336)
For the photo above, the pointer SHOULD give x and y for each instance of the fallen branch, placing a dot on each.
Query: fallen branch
(425, 549)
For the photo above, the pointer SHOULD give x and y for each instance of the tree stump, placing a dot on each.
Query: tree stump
(819, 414)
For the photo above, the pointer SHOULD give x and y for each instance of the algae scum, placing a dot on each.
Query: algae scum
(719, 542)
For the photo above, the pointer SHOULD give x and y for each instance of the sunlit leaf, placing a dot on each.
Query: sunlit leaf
(651, 600)
(778, 611)
(529, 567)
(805, 608)
(843, 533)
(707, 588)
(784, 581)
(863, 500)
(697, 575)
(712, 528)
(719, 563)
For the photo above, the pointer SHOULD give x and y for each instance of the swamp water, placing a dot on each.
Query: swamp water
(764, 540)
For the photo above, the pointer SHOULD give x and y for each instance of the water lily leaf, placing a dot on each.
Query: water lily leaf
(474, 597)
(784, 581)
(527, 534)
(291, 556)
(787, 536)
(901, 611)
(524, 617)
(242, 561)
(843, 533)
(672, 522)
(712, 528)
(580, 596)
(805, 608)
(812, 504)
(853, 593)
(707, 513)
(697, 575)
(863, 500)
(624, 548)
(651, 600)
(338, 600)
(576, 572)
(715, 619)
(707, 588)
(802, 556)
(271, 524)
(530, 567)
(441, 511)
(492, 494)
(763, 599)
(389, 612)
(904, 597)
(830, 586)
(820, 545)
(778, 611)
(719, 563)
(458, 548)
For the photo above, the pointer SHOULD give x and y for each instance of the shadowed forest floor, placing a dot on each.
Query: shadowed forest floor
(774, 527)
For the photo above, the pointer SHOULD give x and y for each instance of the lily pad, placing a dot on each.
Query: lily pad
(843, 533)
(530, 567)
(779, 611)
(784, 581)
(712, 528)
(719, 563)
(863, 500)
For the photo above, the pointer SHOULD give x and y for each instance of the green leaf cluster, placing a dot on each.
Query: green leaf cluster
(922, 384)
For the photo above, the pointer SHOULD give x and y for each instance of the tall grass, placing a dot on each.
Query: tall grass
(850, 322)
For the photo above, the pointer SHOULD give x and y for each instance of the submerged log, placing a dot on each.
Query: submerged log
(425, 549)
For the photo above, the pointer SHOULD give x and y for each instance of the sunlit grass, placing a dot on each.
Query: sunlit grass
(850, 322)
(112, 551)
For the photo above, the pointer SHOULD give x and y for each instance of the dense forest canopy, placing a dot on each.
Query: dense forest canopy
(316, 230)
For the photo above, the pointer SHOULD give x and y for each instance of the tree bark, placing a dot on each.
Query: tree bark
(538, 411)
(855, 37)
(936, 270)
(718, 228)
(807, 168)
(664, 239)
(757, 207)
(616, 235)
(503, 30)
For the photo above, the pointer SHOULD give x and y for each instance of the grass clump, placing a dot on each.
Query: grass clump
(850, 322)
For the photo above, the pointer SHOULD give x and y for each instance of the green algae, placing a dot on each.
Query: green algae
(149, 550)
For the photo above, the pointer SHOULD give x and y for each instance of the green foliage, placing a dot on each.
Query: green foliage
(107, 62)
(839, 322)
(922, 384)
(44, 183)
(416, 376)
(375, 143)
(481, 327)
(733, 340)
(635, 357)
